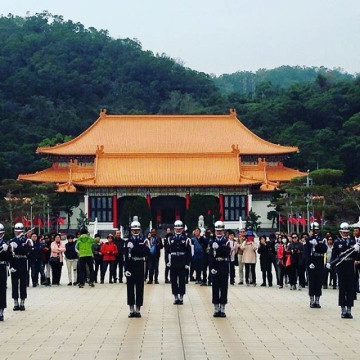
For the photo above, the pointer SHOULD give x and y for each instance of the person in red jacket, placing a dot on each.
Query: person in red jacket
(109, 250)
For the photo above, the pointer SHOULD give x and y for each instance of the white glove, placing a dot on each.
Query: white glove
(357, 247)
(213, 271)
(12, 270)
(215, 245)
(130, 245)
(313, 242)
(168, 264)
(311, 266)
(127, 273)
(187, 267)
(13, 245)
(5, 247)
(328, 266)
(30, 242)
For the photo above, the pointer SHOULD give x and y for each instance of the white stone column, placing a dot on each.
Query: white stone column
(86, 206)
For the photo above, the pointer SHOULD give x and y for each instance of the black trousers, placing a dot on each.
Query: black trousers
(98, 265)
(153, 263)
(19, 279)
(3, 279)
(250, 267)
(119, 265)
(105, 265)
(346, 280)
(220, 286)
(56, 272)
(232, 272)
(135, 284)
(83, 261)
(177, 278)
(316, 278)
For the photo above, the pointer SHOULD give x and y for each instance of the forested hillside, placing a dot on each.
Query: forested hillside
(55, 75)
(281, 77)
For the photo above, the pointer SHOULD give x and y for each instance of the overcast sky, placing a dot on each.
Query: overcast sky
(223, 36)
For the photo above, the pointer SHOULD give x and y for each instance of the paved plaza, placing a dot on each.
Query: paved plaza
(64, 322)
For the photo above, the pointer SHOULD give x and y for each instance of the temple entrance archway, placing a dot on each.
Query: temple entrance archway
(166, 209)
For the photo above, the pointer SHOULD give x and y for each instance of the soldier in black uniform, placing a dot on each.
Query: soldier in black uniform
(345, 252)
(219, 268)
(21, 247)
(137, 248)
(315, 249)
(5, 256)
(179, 261)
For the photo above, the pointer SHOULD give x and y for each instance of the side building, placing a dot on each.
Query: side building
(166, 159)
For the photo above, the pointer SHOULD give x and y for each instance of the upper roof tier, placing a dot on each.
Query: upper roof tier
(167, 134)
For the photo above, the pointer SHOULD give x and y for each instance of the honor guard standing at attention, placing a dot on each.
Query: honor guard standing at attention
(137, 248)
(179, 259)
(345, 252)
(315, 249)
(5, 256)
(21, 247)
(219, 269)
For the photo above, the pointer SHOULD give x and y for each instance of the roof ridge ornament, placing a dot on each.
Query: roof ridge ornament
(99, 150)
(235, 149)
(102, 113)
(233, 113)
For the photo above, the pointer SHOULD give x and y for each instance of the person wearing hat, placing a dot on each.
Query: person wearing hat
(5, 256)
(345, 252)
(220, 249)
(20, 247)
(71, 260)
(315, 249)
(136, 249)
(179, 261)
(108, 251)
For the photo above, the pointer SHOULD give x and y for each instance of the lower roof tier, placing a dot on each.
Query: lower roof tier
(164, 171)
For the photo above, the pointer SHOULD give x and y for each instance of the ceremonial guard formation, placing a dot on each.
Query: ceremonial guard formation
(137, 248)
(5, 256)
(315, 249)
(345, 252)
(179, 261)
(219, 269)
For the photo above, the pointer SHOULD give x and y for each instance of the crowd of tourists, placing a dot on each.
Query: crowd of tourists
(212, 257)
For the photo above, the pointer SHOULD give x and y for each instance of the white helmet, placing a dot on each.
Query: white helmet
(19, 227)
(314, 226)
(135, 225)
(219, 226)
(2, 229)
(178, 224)
(345, 227)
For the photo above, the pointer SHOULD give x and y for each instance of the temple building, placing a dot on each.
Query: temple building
(166, 159)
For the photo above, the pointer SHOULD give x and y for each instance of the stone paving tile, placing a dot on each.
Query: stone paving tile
(91, 323)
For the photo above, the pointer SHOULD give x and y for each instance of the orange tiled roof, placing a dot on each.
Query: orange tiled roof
(165, 170)
(60, 174)
(166, 134)
(267, 173)
(177, 170)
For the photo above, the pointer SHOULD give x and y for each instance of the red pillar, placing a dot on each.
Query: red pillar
(158, 215)
(221, 207)
(187, 201)
(115, 211)
(177, 213)
(148, 200)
